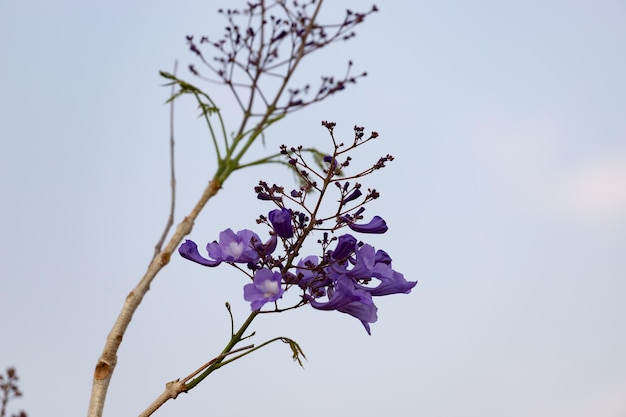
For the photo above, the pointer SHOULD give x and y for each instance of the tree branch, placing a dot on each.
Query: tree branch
(170, 217)
(108, 360)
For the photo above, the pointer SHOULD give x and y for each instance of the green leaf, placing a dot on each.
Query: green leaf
(295, 349)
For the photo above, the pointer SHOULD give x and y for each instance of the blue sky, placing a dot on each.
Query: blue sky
(507, 201)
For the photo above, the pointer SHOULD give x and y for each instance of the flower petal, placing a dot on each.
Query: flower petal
(345, 246)
(341, 297)
(390, 283)
(377, 225)
(266, 287)
(189, 250)
(235, 247)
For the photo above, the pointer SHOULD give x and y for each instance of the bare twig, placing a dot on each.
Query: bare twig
(170, 218)
(9, 390)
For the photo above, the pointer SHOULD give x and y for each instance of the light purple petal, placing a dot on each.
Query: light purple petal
(364, 310)
(365, 260)
(391, 282)
(266, 287)
(304, 269)
(235, 247)
(189, 250)
(343, 295)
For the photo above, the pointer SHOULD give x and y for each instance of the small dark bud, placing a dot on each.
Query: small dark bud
(353, 196)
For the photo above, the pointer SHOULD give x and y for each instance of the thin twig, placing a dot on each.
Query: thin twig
(174, 388)
(170, 218)
(212, 361)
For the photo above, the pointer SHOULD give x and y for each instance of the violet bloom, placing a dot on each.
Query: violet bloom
(304, 269)
(239, 248)
(345, 246)
(377, 225)
(377, 264)
(364, 263)
(268, 247)
(364, 310)
(351, 279)
(330, 160)
(353, 196)
(383, 257)
(339, 296)
(348, 298)
(392, 282)
(265, 288)
(311, 277)
(281, 222)
(189, 250)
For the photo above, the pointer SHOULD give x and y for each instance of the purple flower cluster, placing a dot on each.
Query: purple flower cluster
(346, 273)
(343, 279)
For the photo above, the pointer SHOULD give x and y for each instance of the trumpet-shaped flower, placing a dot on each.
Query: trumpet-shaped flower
(281, 222)
(265, 287)
(346, 244)
(369, 263)
(377, 226)
(189, 250)
(348, 298)
(240, 247)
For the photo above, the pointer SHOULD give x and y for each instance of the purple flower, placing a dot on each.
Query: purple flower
(242, 247)
(364, 310)
(353, 196)
(264, 288)
(392, 282)
(339, 296)
(189, 250)
(364, 264)
(281, 222)
(330, 160)
(377, 225)
(383, 257)
(346, 277)
(350, 299)
(233, 247)
(268, 247)
(304, 269)
(371, 264)
(345, 246)
(267, 197)
(363, 307)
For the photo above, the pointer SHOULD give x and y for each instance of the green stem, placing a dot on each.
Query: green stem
(236, 338)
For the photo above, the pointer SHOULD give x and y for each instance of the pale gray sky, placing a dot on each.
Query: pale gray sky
(507, 201)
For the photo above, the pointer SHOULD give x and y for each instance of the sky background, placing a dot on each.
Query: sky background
(507, 201)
